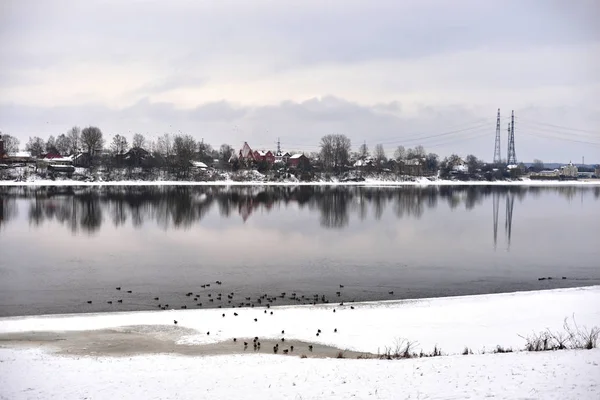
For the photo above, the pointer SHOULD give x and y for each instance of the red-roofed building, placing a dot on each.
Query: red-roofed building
(246, 153)
(261, 155)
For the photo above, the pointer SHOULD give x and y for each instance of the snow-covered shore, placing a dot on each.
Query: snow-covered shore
(479, 322)
(366, 182)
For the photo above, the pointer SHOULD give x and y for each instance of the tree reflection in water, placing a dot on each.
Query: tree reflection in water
(87, 208)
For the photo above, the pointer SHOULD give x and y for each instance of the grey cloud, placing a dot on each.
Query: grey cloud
(307, 33)
(173, 82)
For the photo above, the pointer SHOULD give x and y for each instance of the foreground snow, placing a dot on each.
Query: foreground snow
(366, 182)
(479, 322)
(32, 374)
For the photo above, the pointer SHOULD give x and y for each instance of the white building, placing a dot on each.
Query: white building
(569, 170)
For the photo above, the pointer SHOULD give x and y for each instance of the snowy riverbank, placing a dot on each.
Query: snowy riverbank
(478, 322)
(366, 182)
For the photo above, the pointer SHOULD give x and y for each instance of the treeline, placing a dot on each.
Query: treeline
(177, 150)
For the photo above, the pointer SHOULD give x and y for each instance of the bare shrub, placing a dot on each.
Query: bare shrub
(340, 354)
(573, 337)
(500, 349)
(466, 351)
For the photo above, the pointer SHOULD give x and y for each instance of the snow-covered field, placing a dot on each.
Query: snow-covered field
(562, 375)
(478, 322)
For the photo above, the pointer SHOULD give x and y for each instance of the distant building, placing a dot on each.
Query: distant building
(597, 171)
(199, 165)
(415, 167)
(282, 157)
(55, 164)
(18, 157)
(82, 160)
(569, 170)
(298, 161)
(364, 163)
(137, 157)
(264, 156)
(546, 175)
(246, 153)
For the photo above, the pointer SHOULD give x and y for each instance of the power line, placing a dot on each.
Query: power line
(546, 136)
(560, 132)
(559, 127)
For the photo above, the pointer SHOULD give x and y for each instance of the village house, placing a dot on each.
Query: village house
(18, 158)
(264, 156)
(246, 154)
(282, 157)
(298, 161)
(137, 157)
(52, 164)
(198, 165)
(412, 167)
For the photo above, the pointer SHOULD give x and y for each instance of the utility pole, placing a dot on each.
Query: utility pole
(497, 153)
(512, 154)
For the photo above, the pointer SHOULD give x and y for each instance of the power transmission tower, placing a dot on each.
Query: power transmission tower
(278, 146)
(512, 155)
(497, 154)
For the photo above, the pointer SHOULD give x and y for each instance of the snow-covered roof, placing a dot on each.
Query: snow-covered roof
(262, 153)
(198, 164)
(59, 159)
(296, 156)
(20, 154)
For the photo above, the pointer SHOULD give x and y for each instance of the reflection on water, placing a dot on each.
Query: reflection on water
(179, 207)
(63, 246)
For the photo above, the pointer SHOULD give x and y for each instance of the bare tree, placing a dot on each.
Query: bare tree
(164, 146)
(62, 144)
(139, 141)
(400, 153)
(184, 149)
(335, 151)
(379, 154)
(538, 165)
(225, 152)
(36, 146)
(119, 145)
(473, 163)
(363, 151)
(11, 143)
(432, 162)
(91, 139)
(74, 137)
(205, 152)
(417, 152)
(51, 145)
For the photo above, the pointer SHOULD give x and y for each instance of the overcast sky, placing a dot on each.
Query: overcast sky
(385, 71)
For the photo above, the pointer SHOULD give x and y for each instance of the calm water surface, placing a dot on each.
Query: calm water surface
(63, 246)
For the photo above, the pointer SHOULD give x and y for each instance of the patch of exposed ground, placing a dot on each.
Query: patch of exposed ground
(143, 340)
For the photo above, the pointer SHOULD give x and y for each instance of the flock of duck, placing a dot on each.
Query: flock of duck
(231, 300)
